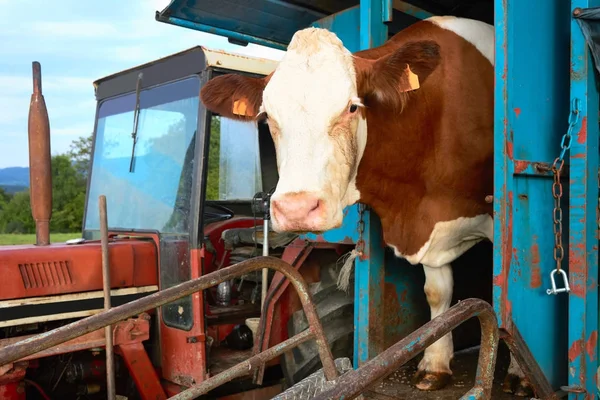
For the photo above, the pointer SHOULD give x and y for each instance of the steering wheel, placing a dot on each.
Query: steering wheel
(212, 216)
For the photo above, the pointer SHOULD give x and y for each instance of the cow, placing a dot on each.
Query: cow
(405, 128)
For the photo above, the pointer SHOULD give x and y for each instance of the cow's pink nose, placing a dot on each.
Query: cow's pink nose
(296, 211)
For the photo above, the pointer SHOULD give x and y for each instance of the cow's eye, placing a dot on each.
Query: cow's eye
(353, 108)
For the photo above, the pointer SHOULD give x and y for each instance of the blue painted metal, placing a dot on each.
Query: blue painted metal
(531, 109)
(346, 25)
(265, 22)
(373, 30)
(583, 217)
(224, 32)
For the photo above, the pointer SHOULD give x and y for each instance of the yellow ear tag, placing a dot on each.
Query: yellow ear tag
(240, 107)
(412, 80)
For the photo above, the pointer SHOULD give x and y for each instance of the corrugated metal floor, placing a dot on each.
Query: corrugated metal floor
(397, 386)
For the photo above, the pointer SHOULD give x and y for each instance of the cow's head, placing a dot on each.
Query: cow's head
(314, 104)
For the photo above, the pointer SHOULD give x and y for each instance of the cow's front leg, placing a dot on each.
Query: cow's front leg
(434, 369)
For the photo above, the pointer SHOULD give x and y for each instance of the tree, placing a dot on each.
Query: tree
(4, 198)
(16, 215)
(68, 194)
(80, 153)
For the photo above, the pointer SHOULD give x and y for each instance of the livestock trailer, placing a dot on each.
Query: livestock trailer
(546, 217)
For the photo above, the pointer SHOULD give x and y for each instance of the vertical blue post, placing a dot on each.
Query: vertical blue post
(583, 217)
(373, 30)
(369, 326)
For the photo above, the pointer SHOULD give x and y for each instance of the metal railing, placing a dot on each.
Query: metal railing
(43, 341)
(354, 382)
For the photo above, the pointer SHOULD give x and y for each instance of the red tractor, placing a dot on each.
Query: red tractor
(187, 194)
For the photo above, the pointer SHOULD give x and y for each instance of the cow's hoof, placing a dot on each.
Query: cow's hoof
(425, 380)
(518, 386)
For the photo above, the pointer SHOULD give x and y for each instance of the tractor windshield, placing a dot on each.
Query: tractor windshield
(154, 194)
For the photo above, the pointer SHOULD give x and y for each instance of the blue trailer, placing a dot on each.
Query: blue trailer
(546, 220)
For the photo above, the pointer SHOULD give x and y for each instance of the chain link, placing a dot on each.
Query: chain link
(360, 243)
(557, 192)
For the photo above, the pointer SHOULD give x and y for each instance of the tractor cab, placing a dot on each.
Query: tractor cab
(192, 182)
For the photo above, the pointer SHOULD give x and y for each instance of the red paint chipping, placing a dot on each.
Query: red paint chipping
(506, 219)
(577, 269)
(509, 149)
(582, 135)
(590, 346)
(575, 350)
(536, 273)
(517, 111)
(520, 165)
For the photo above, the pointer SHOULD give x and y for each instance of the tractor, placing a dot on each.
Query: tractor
(187, 194)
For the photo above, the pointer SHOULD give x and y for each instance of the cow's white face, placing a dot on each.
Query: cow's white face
(314, 115)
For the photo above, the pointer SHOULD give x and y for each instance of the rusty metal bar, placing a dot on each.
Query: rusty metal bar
(140, 327)
(111, 390)
(245, 367)
(64, 333)
(40, 172)
(351, 384)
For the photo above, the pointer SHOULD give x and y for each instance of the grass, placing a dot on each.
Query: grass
(11, 239)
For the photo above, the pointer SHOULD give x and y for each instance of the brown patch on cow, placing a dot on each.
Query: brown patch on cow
(433, 161)
(234, 96)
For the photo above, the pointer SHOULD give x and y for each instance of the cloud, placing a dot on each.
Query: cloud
(76, 43)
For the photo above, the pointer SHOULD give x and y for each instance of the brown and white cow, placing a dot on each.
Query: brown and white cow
(406, 128)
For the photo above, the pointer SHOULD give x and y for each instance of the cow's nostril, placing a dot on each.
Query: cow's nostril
(316, 206)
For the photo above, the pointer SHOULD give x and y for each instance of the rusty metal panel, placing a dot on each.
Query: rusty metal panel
(583, 216)
(532, 107)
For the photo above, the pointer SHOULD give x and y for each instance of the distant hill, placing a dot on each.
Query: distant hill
(12, 189)
(14, 179)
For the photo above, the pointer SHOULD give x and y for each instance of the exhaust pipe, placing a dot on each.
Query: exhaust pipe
(40, 172)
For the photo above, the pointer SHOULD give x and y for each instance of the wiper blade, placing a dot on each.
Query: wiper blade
(136, 118)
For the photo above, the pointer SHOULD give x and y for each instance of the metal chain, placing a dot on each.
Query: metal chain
(557, 192)
(360, 243)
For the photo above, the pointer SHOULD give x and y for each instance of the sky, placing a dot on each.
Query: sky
(77, 42)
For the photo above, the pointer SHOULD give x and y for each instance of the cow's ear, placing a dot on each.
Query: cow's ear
(234, 96)
(388, 79)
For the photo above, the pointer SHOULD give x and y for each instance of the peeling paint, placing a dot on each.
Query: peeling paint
(575, 350)
(582, 135)
(517, 111)
(536, 273)
(520, 165)
(590, 346)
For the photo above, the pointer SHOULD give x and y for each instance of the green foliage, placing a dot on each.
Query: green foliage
(80, 153)
(69, 178)
(214, 150)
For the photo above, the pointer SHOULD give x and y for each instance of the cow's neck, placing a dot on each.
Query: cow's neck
(390, 172)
